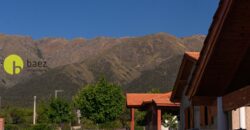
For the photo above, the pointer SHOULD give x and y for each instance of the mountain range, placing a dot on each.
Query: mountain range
(138, 64)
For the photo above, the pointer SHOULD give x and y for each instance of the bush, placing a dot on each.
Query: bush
(111, 125)
(57, 111)
(88, 124)
(66, 126)
(139, 127)
(16, 115)
(31, 127)
(44, 127)
(12, 127)
(140, 117)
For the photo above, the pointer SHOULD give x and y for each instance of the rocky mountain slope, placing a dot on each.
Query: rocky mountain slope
(136, 63)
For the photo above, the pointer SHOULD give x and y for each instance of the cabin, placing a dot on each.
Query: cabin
(155, 104)
(213, 86)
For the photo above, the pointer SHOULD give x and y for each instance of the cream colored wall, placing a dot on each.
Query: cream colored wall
(248, 118)
(235, 118)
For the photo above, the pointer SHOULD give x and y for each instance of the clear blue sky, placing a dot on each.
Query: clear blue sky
(115, 18)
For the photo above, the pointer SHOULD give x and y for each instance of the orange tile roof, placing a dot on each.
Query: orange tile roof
(138, 99)
(193, 55)
(183, 74)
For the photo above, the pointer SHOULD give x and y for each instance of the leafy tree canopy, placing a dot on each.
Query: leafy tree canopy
(100, 102)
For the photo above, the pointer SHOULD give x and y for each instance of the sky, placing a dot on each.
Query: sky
(113, 18)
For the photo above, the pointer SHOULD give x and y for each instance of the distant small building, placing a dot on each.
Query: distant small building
(155, 104)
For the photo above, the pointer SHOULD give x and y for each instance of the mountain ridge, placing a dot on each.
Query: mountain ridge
(136, 63)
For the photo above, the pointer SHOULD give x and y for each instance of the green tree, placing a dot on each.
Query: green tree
(100, 102)
(125, 118)
(42, 112)
(58, 111)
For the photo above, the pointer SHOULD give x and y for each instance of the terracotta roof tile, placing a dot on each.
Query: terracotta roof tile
(193, 55)
(183, 74)
(137, 99)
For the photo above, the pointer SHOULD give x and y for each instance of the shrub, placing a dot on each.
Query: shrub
(44, 127)
(12, 127)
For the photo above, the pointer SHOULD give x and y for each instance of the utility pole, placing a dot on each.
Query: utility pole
(57, 91)
(34, 111)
